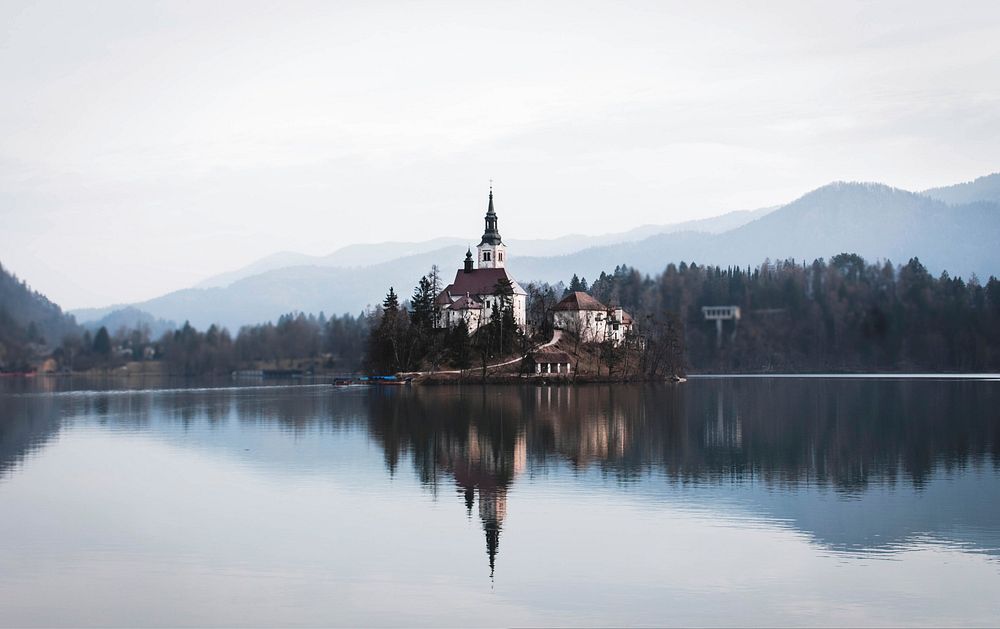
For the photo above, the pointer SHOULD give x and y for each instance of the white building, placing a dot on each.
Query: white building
(589, 319)
(551, 362)
(473, 296)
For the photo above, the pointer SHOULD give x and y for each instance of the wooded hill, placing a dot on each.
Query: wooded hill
(30, 324)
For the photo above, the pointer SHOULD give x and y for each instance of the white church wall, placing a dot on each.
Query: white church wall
(492, 256)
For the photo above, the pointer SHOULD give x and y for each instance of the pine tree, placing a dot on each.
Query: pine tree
(384, 342)
(391, 302)
(102, 343)
(423, 305)
(460, 346)
(574, 285)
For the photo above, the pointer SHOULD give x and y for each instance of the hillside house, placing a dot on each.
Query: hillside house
(589, 319)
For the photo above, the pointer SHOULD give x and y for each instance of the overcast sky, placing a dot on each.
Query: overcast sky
(145, 146)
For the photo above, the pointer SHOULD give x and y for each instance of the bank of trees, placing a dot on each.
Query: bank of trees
(30, 325)
(296, 340)
(845, 314)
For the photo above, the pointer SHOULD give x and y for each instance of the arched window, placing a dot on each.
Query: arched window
(486, 256)
(500, 256)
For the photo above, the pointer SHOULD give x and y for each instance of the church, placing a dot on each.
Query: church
(472, 297)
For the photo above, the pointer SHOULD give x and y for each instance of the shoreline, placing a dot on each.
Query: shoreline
(435, 378)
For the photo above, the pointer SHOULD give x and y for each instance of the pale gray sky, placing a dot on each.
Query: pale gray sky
(147, 145)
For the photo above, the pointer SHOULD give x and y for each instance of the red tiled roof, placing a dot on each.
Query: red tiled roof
(465, 303)
(579, 301)
(477, 282)
(443, 299)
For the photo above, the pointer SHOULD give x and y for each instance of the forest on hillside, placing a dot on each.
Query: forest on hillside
(29, 323)
(844, 315)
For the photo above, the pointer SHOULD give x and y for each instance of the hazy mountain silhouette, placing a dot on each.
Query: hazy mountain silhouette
(873, 220)
(131, 318)
(985, 188)
(360, 255)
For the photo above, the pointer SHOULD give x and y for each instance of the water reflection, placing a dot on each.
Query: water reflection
(857, 465)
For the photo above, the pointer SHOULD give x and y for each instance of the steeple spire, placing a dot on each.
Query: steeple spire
(492, 235)
(491, 249)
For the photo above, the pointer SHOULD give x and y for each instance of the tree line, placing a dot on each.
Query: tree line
(843, 315)
(295, 341)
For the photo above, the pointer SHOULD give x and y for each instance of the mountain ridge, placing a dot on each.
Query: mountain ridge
(358, 255)
(876, 221)
(985, 188)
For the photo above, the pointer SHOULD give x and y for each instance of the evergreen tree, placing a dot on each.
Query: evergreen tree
(574, 285)
(423, 306)
(460, 346)
(391, 302)
(392, 343)
(503, 330)
(102, 343)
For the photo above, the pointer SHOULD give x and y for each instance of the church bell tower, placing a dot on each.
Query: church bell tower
(492, 251)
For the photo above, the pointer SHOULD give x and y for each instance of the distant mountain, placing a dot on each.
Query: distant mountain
(274, 261)
(266, 296)
(982, 189)
(373, 254)
(131, 318)
(28, 318)
(346, 257)
(873, 220)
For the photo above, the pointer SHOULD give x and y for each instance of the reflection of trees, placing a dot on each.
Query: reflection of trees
(846, 434)
(841, 433)
(26, 425)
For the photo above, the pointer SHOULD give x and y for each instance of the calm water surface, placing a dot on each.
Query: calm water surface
(757, 501)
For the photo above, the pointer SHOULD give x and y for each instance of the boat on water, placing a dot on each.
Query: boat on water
(373, 380)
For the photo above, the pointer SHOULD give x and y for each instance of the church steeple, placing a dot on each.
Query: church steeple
(491, 235)
(491, 247)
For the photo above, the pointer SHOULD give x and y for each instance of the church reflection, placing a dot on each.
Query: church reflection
(475, 439)
(476, 444)
(848, 436)
(484, 473)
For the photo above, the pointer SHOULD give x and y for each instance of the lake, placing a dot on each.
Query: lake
(720, 501)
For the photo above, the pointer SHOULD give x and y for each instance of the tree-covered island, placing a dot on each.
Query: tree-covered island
(845, 315)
